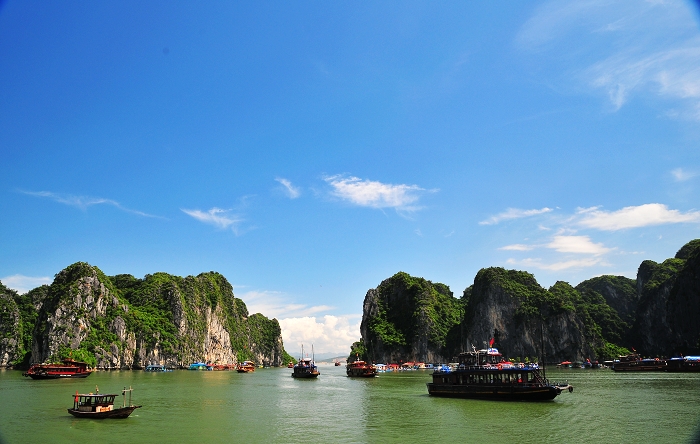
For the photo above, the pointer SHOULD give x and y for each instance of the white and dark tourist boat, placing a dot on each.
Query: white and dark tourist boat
(101, 406)
(484, 374)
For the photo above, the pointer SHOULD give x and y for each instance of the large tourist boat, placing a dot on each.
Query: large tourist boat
(634, 363)
(101, 406)
(68, 369)
(246, 367)
(484, 374)
(361, 369)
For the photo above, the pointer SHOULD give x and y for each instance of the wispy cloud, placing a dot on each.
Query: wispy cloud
(22, 284)
(513, 213)
(623, 48)
(681, 175)
(373, 194)
(517, 247)
(83, 202)
(217, 217)
(634, 217)
(277, 305)
(290, 190)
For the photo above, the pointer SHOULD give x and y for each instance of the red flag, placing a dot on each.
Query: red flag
(491, 343)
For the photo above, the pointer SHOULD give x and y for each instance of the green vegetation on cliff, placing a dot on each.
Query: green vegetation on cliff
(407, 307)
(121, 311)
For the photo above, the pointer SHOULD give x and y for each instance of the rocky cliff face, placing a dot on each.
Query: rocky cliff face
(124, 322)
(523, 318)
(658, 315)
(409, 319)
(667, 320)
(10, 320)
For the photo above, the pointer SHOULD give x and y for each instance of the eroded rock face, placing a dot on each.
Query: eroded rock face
(84, 308)
(9, 329)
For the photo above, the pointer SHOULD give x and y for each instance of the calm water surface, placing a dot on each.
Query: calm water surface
(270, 406)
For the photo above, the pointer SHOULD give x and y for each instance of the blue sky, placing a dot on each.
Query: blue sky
(309, 151)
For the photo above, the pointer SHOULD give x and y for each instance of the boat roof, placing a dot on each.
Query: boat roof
(95, 395)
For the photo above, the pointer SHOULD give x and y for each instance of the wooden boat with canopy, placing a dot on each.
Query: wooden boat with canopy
(101, 406)
(305, 368)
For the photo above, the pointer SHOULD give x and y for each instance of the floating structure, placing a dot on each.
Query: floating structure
(200, 366)
(484, 374)
(69, 369)
(101, 406)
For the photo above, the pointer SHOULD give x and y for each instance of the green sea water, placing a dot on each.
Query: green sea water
(271, 406)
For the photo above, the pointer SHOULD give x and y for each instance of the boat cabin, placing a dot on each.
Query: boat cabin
(94, 402)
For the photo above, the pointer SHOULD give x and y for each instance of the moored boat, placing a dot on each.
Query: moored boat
(683, 364)
(246, 367)
(634, 363)
(68, 369)
(361, 369)
(157, 368)
(101, 406)
(484, 374)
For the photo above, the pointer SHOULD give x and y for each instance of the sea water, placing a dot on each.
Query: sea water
(269, 405)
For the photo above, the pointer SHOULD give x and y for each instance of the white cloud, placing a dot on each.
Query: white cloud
(326, 333)
(84, 202)
(681, 175)
(216, 217)
(274, 304)
(577, 244)
(290, 190)
(557, 266)
(303, 324)
(634, 217)
(22, 284)
(517, 247)
(368, 193)
(513, 213)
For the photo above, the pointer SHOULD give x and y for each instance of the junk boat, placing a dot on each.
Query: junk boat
(305, 367)
(246, 367)
(361, 369)
(69, 369)
(634, 363)
(484, 374)
(101, 406)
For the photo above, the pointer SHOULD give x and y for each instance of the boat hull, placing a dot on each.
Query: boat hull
(119, 413)
(306, 375)
(495, 392)
(57, 376)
